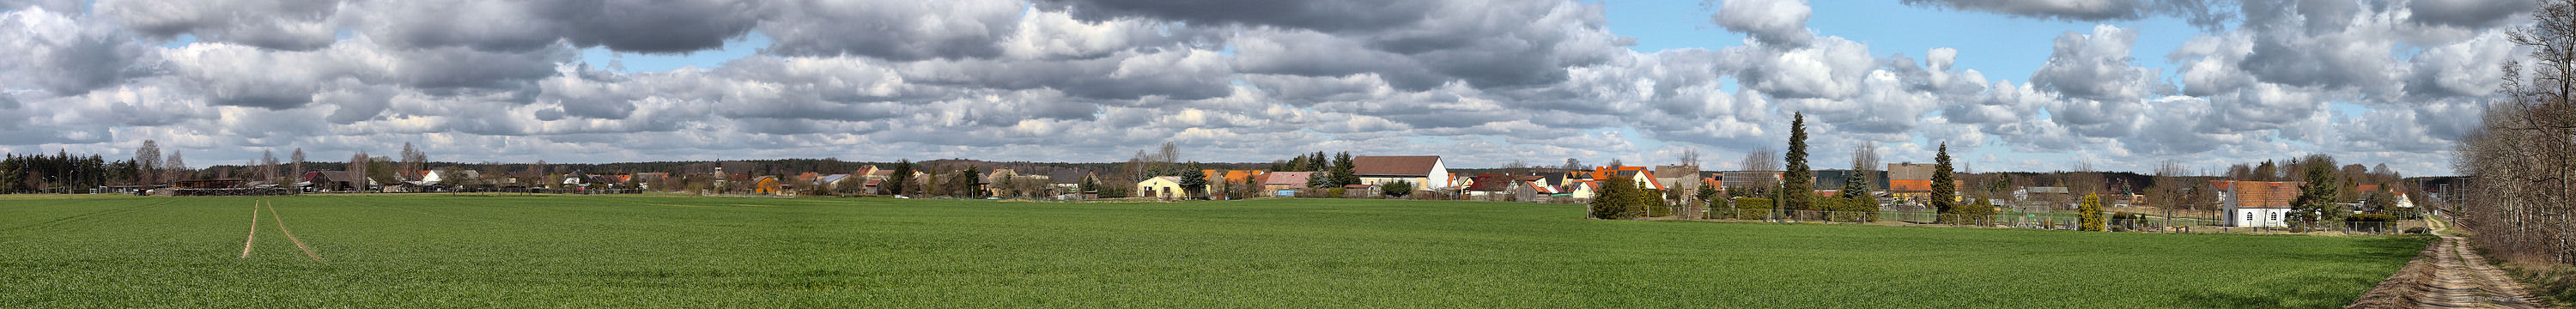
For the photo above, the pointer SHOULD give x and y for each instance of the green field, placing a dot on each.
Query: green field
(558, 251)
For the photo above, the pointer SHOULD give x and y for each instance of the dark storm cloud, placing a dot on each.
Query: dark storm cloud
(2207, 14)
(1322, 15)
(278, 24)
(66, 55)
(2478, 14)
(1455, 39)
(623, 25)
(891, 29)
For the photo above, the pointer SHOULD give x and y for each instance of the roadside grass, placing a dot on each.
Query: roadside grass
(616, 251)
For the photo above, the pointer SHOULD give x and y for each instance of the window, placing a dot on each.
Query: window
(2276, 216)
(2249, 217)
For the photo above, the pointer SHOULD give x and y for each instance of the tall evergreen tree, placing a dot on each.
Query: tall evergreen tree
(1193, 181)
(901, 179)
(966, 183)
(2316, 200)
(1942, 187)
(1342, 175)
(1611, 199)
(1318, 163)
(1796, 186)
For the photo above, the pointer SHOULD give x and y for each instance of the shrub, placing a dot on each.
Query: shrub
(1339, 192)
(2089, 213)
(1397, 189)
(1654, 203)
(1749, 208)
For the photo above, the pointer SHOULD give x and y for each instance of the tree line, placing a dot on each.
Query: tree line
(2521, 161)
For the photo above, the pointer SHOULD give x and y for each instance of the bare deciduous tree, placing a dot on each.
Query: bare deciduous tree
(147, 163)
(177, 168)
(2521, 162)
(1764, 160)
(298, 163)
(268, 165)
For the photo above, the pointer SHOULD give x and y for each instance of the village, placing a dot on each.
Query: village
(2247, 196)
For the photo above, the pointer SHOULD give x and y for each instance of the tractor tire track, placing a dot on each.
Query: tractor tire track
(254, 229)
(290, 235)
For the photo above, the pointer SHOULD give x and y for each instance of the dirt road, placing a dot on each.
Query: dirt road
(2448, 275)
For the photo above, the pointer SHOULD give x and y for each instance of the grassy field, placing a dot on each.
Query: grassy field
(553, 251)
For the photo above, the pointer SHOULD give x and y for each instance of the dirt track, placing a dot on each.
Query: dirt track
(2448, 275)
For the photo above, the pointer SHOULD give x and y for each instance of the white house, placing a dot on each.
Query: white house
(2257, 203)
(1425, 172)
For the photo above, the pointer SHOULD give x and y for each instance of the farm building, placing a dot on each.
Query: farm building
(1285, 183)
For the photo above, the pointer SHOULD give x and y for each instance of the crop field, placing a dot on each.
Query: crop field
(587, 251)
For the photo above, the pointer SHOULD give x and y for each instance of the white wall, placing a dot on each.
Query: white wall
(2263, 217)
(1439, 175)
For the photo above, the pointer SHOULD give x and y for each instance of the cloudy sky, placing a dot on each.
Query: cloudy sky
(2011, 84)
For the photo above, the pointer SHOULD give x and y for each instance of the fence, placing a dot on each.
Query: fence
(2049, 221)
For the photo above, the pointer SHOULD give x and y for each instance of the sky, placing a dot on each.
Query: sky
(2008, 85)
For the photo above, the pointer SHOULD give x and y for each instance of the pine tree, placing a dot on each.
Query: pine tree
(898, 181)
(1650, 203)
(1193, 181)
(1796, 186)
(2316, 201)
(1610, 200)
(965, 183)
(1943, 190)
(1342, 175)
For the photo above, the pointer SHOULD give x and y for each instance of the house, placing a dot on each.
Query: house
(1162, 187)
(833, 181)
(337, 181)
(1909, 171)
(767, 185)
(2256, 203)
(1286, 183)
(1582, 190)
(1425, 172)
(1491, 186)
(1680, 177)
(1531, 191)
(1641, 177)
(1920, 190)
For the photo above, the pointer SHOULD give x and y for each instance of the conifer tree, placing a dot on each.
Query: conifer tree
(1193, 181)
(1942, 188)
(901, 178)
(1796, 186)
(1612, 197)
